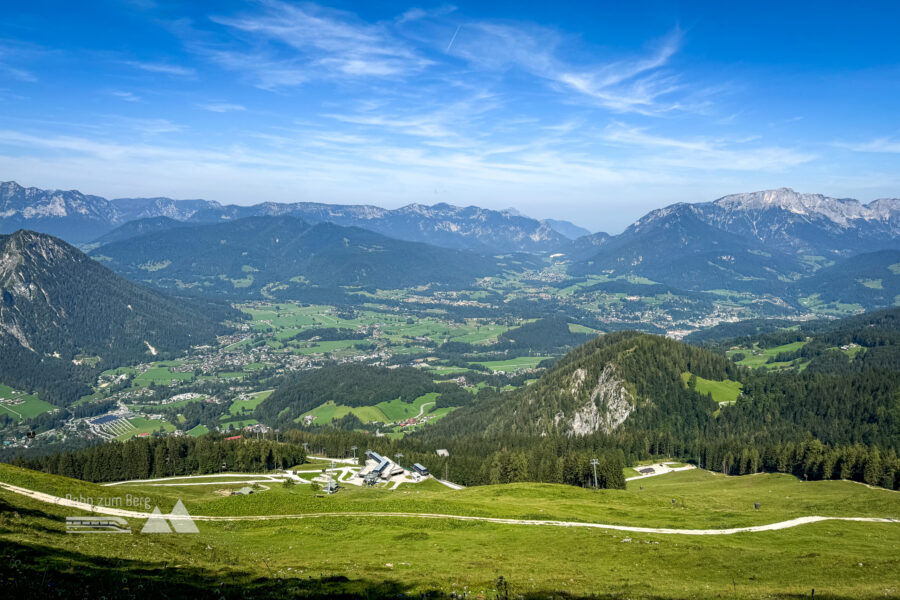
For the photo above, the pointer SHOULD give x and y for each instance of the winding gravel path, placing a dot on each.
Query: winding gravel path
(118, 512)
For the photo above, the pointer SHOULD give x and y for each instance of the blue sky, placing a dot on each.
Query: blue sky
(594, 114)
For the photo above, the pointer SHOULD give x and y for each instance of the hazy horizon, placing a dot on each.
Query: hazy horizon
(595, 115)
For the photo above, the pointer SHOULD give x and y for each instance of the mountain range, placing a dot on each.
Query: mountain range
(80, 219)
(758, 242)
(776, 242)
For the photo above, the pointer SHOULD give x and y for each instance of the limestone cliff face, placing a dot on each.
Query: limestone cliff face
(608, 406)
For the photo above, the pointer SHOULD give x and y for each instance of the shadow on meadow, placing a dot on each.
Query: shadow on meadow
(33, 571)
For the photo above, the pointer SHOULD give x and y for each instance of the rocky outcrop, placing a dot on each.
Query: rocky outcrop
(608, 407)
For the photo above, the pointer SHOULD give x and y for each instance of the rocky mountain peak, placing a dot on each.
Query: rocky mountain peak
(842, 211)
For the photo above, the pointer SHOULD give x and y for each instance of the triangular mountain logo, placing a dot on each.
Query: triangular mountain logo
(156, 523)
(179, 517)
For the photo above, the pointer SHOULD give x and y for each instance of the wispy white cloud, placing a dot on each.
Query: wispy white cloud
(126, 96)
(631, 84)
(163, 68)
(223, 107)
(878, 145)
(290, 44)
(706, 153)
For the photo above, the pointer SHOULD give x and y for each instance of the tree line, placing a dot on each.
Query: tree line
(144, 458)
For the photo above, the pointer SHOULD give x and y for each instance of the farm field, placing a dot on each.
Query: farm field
(19, 405)
(287, 320)
(513, 364)
(239, 406)
(756, 357)
(198, 430)
(160, 374)
(383, 412)
(372, 556)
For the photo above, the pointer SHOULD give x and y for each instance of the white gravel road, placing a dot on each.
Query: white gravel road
(117, 512)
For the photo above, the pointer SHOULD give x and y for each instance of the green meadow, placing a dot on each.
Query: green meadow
(383, 412)
(723, 392)
(30, 406)
(368, 557)
(513, 364)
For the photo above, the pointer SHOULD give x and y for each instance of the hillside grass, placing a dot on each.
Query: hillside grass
(513, 364)
(30, 407)
(383, 412)
(723, 392)
(238, 406)
(370, 557)
(756, 357)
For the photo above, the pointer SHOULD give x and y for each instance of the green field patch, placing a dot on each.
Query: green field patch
(757, 357)
(576, 328)
(231, 375)
(328, 412)
(159, 374)
(834, 309)
(143, 425)
(198, 430)
(152, 267)
(253, 400)
(536, 561)
(238, 423)
(397, 410)
(723, 392)
(513, 364)
(20, 405)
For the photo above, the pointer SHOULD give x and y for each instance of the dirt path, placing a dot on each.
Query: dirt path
(117, 512)
(422, 409)
(658, 469)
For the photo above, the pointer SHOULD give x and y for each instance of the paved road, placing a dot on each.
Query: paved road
(118, 512)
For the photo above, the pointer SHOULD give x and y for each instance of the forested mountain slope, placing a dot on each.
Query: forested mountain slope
(677, 247)
(619, 379)
(58, 307)
(241, 258)
(642, 384)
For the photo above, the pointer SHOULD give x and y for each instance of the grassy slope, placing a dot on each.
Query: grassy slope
(283, 558)
(756, 357)
(513, 364)
(31, 406)
(383, 412)
(722, 391)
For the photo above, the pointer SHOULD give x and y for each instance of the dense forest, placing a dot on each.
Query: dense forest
(143, 458)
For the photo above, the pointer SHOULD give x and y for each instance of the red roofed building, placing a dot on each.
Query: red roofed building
(234, 437)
